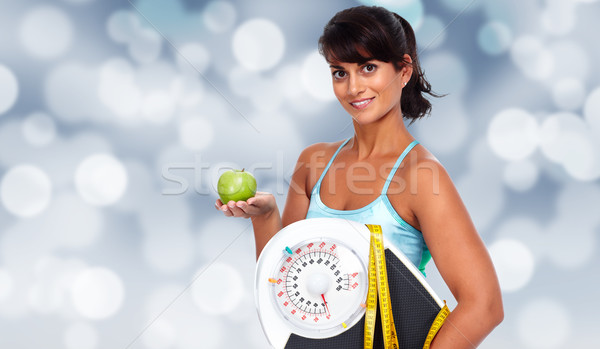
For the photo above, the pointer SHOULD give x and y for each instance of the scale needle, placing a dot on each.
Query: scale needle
(326, 307)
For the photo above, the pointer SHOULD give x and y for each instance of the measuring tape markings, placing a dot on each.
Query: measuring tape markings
(378, 285)
(378, 282)
(437, 324)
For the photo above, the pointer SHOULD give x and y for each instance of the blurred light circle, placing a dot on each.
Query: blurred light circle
(554, 131)
(559, 237)
(578, 57)
(79, 1)
(192, 58)
(9, 89)
(591, 110)
(258, 44)
(97, 293)
(544, 323)
(44, 298)
(521, 175)
(526, 230)
(481, 186)
(316, 77)
(199, 328)
(583, 164)
(46, 32)
(216, 235)
(567, 139)
(81, 335)
(431, 33)
(243, 81)
(85, 222)
(70, 91)
(225, 292)
(39, 129)
(25, 190)
(446, 72)
(268, 96)
(118, 89)
(122, 25)
(168, 252)
(559, 17)
(6, 284)
(514, 263)
(411, 10)
(494, 38)
(574, 200)
(532, 58)
(196, 133)
(445, 132)
(187, 91)
(145, 46)
(513, 134)
(287, 78)
(160, 335)
(101, 179)
(568, 94)
(158, 106)
(219, 16)
(460, 5)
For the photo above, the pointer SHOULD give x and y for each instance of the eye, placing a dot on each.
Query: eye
(338, 74)
(369, 68)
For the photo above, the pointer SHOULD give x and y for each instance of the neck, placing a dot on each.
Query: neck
(381, 138)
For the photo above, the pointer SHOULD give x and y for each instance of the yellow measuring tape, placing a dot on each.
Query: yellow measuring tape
(378, 282)
(378, 285)
(437, 323)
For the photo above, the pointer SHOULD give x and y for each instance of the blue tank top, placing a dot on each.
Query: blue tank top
(380, 211)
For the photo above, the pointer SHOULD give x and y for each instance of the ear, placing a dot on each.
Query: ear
(407, 69)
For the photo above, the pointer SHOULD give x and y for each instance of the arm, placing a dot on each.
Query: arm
(461, 258)
(263, 211)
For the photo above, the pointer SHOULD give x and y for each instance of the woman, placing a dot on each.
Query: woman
(382, 175)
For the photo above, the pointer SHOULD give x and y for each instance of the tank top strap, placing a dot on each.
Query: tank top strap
(396, 165)
(330, 162)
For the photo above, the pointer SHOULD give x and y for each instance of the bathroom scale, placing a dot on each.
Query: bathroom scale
(312, 289)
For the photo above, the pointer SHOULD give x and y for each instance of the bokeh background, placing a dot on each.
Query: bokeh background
(116, 118)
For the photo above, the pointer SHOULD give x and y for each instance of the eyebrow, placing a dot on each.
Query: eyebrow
(365, 61)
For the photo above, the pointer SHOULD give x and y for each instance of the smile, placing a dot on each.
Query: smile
(362, 104)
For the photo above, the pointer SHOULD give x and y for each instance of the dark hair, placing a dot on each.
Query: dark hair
(382, 35)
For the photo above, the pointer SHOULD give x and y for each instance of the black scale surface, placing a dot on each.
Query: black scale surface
(413, 307)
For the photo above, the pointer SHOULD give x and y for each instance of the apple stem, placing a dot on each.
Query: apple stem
(243, 170)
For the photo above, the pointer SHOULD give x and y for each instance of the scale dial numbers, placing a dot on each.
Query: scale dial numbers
(321, 285)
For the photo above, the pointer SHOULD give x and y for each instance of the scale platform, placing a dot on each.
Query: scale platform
(311, 287)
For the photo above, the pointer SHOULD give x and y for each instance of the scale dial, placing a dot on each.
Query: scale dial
(320, 286)
(335, 283)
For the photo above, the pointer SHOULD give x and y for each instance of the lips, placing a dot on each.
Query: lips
(362, 103)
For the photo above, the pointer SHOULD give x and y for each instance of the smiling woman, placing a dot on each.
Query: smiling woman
(382, 175)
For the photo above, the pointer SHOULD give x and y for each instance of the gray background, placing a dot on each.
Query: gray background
(116, 118)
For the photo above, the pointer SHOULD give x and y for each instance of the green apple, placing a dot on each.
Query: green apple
(236, 185)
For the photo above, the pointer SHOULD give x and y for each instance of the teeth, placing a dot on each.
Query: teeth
(358, 104)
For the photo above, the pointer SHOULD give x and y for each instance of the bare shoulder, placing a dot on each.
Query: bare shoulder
(428, 179)
(313, 160)
(318, 150)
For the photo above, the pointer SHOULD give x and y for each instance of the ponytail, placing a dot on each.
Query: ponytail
(414, 104)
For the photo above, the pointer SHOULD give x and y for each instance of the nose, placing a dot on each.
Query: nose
(355, 86)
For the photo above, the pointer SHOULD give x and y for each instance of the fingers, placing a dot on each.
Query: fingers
(236, 209)
(223, 208)
(253, 206)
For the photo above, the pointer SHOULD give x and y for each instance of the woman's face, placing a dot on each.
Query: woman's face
(369, 91)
